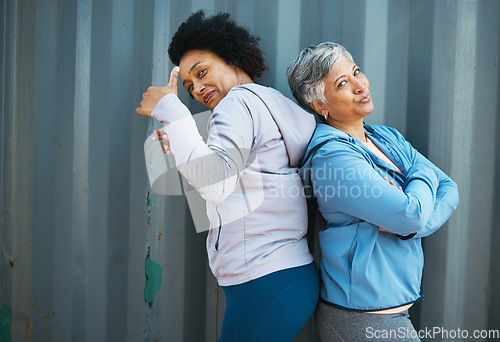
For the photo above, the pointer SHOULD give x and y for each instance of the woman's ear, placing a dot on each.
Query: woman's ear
(319, 107)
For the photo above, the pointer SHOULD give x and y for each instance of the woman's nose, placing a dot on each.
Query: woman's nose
(198, 88)
(359, 86)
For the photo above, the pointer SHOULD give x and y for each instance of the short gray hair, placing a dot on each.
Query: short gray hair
(306, 75)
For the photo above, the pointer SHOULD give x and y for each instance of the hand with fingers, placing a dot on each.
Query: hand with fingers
(162, 137)
(392, 182)
(154, 94)
(149, 100)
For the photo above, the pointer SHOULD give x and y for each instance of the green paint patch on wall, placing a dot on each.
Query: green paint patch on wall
(153, 280)
(5, 321)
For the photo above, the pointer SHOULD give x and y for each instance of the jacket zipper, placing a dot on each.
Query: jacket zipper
(220, 226)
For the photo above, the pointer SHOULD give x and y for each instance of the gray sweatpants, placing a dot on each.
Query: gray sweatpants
(341, 325)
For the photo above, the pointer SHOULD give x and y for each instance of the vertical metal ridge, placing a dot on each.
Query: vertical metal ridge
(462, 151)
(81, 126)
(18, 182)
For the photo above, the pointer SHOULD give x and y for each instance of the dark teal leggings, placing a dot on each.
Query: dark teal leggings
(271, 308)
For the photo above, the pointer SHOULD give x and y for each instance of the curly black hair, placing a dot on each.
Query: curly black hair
(220, 35)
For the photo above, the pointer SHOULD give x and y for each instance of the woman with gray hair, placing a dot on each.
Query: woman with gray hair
(378, 195)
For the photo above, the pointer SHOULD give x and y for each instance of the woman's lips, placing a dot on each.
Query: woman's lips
(365, 99)
(208, 96)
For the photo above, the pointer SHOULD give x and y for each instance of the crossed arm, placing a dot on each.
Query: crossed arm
(428, 199)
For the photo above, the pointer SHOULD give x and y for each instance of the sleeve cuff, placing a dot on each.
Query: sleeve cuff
(170, 109)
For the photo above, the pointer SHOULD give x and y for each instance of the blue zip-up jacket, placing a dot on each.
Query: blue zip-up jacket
(362, 267)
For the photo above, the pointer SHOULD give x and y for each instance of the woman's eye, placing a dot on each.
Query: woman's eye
(341, 84)
(201, 73)
(190, 91)
(357, 72)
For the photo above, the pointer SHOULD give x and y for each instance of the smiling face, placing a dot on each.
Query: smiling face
(208, 78)
(347, 91)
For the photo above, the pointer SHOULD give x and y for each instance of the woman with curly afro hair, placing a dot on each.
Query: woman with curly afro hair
(247, 173)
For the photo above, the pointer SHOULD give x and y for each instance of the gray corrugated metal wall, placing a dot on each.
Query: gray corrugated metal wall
(80, 227)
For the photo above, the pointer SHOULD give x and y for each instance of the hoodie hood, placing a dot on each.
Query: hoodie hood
(322, 135)
(294, 123)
